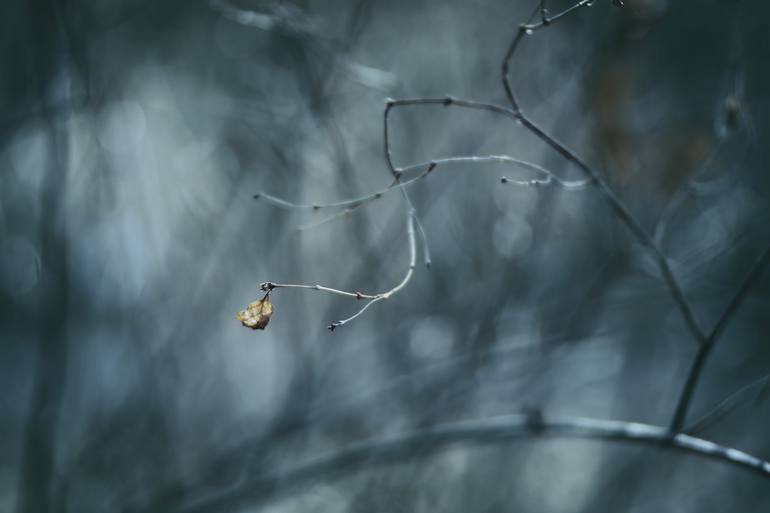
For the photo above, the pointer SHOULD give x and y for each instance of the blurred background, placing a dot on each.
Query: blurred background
(134, 134)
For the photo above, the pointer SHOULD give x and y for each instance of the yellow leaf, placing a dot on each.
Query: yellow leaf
(257, 314)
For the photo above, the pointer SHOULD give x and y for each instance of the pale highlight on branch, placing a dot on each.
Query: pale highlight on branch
(490, 431)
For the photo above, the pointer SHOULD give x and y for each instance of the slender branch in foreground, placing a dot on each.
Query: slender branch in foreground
(371, 298)
(617, 205)
(693, 377)
(427, 168)
(516, 113)
(728, 405)
(410, 222)
(328, 219)
(416, 444)
(539, 182)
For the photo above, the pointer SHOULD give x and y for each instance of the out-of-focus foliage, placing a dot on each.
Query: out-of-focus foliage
(134, 134)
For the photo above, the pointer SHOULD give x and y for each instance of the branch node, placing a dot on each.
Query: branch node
(534, 419)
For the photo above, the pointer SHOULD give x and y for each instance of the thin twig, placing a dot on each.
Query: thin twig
(706, 343)
(693, 376)
(424, 239)
(728, 405)
(516, 113)
(617, 205)
(330, 218)
(410, 222)
(427, 168)
(408, 446)
(371, 298)
(352, 202)
(268, 285)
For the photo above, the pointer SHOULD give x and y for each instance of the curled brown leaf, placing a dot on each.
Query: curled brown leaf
(257, 314)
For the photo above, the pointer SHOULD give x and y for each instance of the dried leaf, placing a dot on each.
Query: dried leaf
(257, 314)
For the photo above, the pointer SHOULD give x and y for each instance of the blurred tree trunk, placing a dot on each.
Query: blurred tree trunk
(47, 79)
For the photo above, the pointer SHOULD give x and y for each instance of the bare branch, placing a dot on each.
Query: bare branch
(267, 286)
(693, 377)
(427, 168)
(617, 205)
(548, 180)
(490, 431)
(371, 298)
(328, 219)
(516, 113)
(728, 405)
(410, 222)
